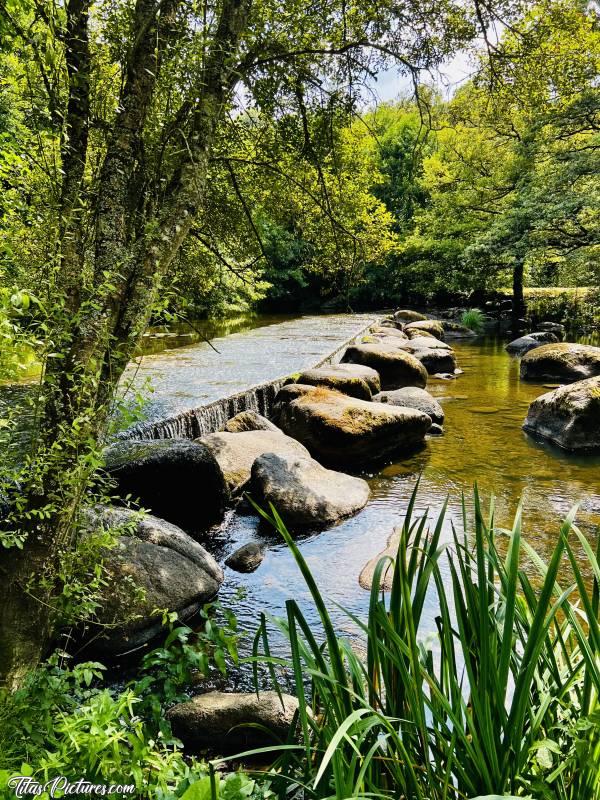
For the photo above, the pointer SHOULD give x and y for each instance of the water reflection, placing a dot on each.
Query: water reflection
(483, 442)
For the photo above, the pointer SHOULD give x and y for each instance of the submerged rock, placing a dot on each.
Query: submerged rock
(176, 479)
(304, 492)
(433, 326)
(412, 397)
(396, 367)
(246, 558)
(249, 421)
(342, 430)
(568, 416)
(236, 452)
(216, 720)
(172, 571)
(529, 342)
(563, 361)
(333, 377)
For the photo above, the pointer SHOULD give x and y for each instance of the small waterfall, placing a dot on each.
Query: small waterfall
(197, 422)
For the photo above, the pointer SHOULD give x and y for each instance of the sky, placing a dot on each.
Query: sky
(391, 84)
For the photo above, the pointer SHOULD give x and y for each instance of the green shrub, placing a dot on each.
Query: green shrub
(499, 699)
(473, 318)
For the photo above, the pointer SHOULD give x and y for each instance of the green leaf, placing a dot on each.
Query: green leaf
(201, 790)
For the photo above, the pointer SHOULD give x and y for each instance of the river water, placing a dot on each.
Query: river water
(483, 442)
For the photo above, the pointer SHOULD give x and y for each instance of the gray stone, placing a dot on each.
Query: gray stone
(342, 430)
(568, 416)
(176, 479)
(304, 492)
(172, 571)
(412, 397)
(249, 421)
(563, 362)
(236, 452)
(554, 327)
(246, 558)
(529, 342)
(396, 367)
(455, 330)
(216, 720)
(417, 333)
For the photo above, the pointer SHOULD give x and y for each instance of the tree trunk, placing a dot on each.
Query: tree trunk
(518, 306)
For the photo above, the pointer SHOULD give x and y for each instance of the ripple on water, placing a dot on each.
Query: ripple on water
(488, 448)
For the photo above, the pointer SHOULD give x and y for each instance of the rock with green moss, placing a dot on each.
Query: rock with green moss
(412, 397)
(249, 421)
(561, 362)
(568, 416)
(433, 326)
(334, 376)
(341, 430)
(396, 367)
(406, 315)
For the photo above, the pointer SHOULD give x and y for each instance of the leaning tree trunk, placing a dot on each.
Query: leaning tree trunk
(98, 346)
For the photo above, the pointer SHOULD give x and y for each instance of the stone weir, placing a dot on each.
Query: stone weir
(196, 422)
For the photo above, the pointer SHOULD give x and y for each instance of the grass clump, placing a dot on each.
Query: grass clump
(499, 699)
(473, 318)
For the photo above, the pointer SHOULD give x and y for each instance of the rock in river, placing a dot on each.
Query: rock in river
(564, 361)
(216, 720)
(304, 492)
(341, 430)
(554, 327)
(378, 330)
(173, 571)
(405, 315)
(336, 377)
(435, 356)
(236, 452)
(246, 558)
(529, 342)
(396, 367)
(176, 479)
(249, 421)
(412, 397)
(568, 416)
(433, 326)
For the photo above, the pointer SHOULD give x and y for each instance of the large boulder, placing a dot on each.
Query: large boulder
(233, 721)
(236, 452)
(177, 479)
(379, 330)
(338, 378)
(249, 421)
(405, 315)
(368, 374)
(562, 362)
(396, 368)
(568, 416)
(341, 430)
(435, 356)
(154, 565)
(413, 397)
(417, 333)
(304, 492)
(433, 326)
(529, 342)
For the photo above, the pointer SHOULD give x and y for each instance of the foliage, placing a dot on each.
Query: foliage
(473, 318)
(68, 720)
(501, 696)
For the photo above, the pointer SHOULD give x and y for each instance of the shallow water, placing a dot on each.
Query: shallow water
(483, 441)
(240, 355)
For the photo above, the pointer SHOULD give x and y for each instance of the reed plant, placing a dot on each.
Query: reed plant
(499, 700)
(473, 318)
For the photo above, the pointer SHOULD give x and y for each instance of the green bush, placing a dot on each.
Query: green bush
(473, 318)
(499, 699)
